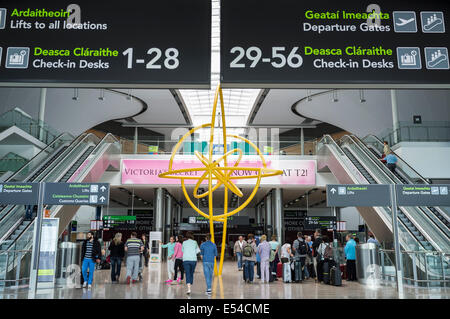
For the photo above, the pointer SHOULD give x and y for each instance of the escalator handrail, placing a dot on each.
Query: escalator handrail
(74, 145)
(385, 208)
(399, 158)
(99, 145)
(74, 148)
(424, 180)
(389, 209)
(378, 163)
(83, 137)
(44, 150)
(48, 170)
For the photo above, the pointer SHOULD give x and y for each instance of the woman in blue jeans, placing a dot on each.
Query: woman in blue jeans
(117, 253)
(190, 250)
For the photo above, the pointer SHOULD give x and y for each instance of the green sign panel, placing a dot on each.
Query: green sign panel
(119, 222)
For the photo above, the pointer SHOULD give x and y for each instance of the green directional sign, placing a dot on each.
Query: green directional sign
(76, 194)
(344, 195)
(423, 195)
(117, 222)
(322, 222)
(19, 193)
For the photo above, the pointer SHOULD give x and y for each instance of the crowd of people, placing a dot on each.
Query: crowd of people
(306, 258)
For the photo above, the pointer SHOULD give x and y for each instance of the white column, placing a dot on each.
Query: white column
(135, 140)
(278, 219)
(302, 141)
(41, 115)
(395, 123)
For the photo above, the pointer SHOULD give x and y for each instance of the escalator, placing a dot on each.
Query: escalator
(351, 162)
(84, 160)
(407, 175)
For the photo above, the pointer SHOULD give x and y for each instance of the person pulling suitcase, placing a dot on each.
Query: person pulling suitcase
(325, 257)
(286, 255)
(300, 249)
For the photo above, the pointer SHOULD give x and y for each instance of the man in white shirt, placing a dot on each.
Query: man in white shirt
(238, 251)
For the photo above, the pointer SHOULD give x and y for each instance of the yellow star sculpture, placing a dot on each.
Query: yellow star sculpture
(212, 171)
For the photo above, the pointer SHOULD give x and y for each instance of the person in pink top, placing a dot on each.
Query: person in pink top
(178, 256)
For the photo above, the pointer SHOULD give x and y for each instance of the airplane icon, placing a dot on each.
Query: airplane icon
(404, 21)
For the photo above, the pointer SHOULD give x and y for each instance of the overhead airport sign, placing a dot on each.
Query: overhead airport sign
(139, 44)
(76, 194)
(322, 222)
(423, 195)
(112, 222)
(334, 44)
(19, 193)
(342, 195)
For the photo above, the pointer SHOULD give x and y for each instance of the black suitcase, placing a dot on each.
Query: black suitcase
(326, 272)
(298, 271)
(335, 276)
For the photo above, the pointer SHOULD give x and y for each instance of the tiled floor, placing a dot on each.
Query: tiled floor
(230, 286)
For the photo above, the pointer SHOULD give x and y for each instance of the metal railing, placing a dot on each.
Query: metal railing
(420, 268)
(38, 129)
(15, 267)
(164, 147)
(425, 132)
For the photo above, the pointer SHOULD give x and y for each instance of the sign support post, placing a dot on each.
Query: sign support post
(398, 256)
(37, 240)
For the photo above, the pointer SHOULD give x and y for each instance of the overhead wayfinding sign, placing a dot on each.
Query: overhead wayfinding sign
(423, 195)
(322, 222)
(19, 193)
(139, 44)
(117, 222)
(333, 44)
(76, 194)
(342, 195)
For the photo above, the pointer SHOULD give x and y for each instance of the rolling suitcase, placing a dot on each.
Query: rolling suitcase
(326, 272)
(287, 272)
(335, 276)
(279, 269)
(343, 269)
(298, 271)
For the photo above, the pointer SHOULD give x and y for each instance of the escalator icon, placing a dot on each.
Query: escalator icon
(437, 58)
(432, 22)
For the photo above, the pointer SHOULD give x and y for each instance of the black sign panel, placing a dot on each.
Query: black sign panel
(333, 44)
(322, 222)
(19, 193)
(423, 195)
(103, 43)
(342, 195)
(96, 194)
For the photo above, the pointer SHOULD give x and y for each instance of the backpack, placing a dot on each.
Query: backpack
(272, 255)
(327, 253)
(301, 249)
(247, 251)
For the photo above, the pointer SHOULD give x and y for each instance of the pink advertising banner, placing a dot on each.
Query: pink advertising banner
(146, 171)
